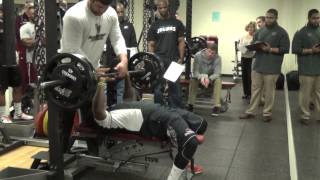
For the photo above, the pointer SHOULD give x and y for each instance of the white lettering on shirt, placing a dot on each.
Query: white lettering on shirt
(166, 29)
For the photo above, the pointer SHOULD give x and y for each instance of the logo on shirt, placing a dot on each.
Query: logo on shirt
(274, 33)
(309, 34)
(188, 132)
(98, 36)
(166, 29)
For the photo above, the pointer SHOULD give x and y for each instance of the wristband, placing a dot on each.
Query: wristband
(102, 84)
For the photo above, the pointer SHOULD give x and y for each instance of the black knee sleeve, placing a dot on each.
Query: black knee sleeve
(203, 127)
(186, 153)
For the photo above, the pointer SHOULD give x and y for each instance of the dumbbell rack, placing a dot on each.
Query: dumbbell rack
(237, 64)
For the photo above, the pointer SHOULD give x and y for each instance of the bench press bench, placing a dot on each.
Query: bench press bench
(226, 85)
(93, 134)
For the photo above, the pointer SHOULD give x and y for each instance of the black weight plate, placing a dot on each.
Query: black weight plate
(78, 73)
(197, 44)
(153, 70)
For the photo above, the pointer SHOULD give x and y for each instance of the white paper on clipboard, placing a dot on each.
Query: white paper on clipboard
(173, 72)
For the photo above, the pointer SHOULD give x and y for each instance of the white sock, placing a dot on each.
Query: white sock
(175, 173)
(17, 109)
(2, 110)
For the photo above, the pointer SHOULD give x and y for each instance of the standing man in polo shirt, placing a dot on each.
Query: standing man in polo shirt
(267, 66)
(306, 46)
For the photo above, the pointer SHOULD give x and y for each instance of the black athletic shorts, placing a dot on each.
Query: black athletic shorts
(9, 76)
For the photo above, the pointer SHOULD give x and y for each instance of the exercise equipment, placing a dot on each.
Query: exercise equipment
(45, 124)
(153, 70)
(39, 121)
(70, 80)
(197, 44)
(237, 63)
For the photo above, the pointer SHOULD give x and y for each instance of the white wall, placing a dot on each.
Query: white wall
(234, 15)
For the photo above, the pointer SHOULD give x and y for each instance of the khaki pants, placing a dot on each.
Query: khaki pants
(260, 83)
(216, 94)
(309, 88)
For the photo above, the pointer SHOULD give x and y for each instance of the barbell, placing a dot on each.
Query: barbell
(65, 81)
(70, 80)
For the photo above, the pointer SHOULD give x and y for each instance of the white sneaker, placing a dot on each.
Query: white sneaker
(23, 116)
(5, 119)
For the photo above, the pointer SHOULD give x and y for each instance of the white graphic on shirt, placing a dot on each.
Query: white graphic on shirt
(167, 29)
(98, 36)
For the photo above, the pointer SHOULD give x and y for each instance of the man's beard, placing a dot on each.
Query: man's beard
(314, 25)
(271, 24)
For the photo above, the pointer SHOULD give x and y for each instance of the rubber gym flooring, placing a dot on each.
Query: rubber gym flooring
(243, 149)
(307, 143)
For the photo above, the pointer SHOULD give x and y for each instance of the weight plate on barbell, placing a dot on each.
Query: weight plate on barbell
(153, 70)
(79, 76)
(197, 44)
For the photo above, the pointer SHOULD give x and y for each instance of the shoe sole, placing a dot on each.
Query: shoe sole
(214, 115)
(305, 121)
(247, 117)
(267, 120)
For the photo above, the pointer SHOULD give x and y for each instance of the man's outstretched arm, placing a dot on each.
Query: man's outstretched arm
(99, 101)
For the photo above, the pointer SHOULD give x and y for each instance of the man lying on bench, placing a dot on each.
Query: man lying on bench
(152, 120)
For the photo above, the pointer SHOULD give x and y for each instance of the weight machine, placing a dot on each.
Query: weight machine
(237, 63)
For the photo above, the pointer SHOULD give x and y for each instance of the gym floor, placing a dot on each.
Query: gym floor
(235, 149)
(244, 149)
(307, 143)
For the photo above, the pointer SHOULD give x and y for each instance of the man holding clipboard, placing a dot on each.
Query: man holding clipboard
(306, 46)
(270, 43)
(166, 40)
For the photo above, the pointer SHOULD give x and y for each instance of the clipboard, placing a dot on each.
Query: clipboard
(256, 46)
(173, 72)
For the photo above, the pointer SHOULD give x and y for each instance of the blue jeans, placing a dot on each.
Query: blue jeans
(120, 91)
(115, 92)
(174, 94)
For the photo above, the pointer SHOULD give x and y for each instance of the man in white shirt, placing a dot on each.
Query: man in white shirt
(185, 129)
(86, 26)
(27, 35)
(10, 76)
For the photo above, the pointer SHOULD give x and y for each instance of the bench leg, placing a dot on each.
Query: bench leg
(228, 96)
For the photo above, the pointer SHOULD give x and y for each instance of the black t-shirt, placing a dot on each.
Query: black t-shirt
(130, 39)
(128, 34)
(165, 32)
(1, 43)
